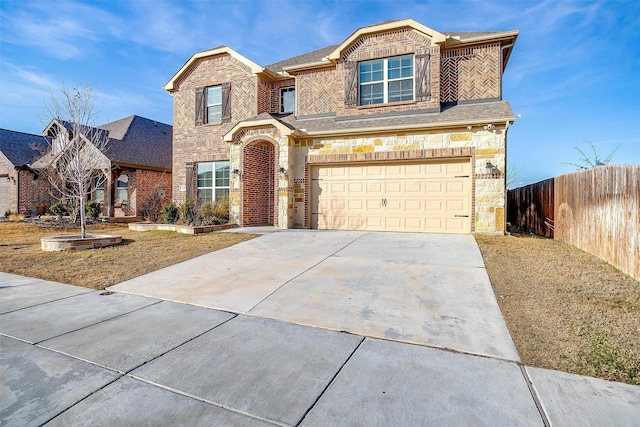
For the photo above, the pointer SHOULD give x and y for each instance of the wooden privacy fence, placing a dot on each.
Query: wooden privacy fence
(596, 210)
(531, 207)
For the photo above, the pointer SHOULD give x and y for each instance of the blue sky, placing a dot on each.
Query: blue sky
(574, 75)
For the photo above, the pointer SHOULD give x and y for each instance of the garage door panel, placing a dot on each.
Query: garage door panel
(393, 188)
(375, 187)
(425, 197)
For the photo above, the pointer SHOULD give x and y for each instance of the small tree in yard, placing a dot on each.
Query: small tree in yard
(74, 159)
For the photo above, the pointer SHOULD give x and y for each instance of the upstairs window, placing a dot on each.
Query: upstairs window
(214, 104)
(287, 100)
(386, 80)
(213, 181)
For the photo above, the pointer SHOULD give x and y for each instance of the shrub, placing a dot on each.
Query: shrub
(93, 210)
(206, 214)
(16, 217)
(46, 218)
(187, 212)
(58, 209)
(169, 213)
(221, 209)
(153, 205)
(8, 213)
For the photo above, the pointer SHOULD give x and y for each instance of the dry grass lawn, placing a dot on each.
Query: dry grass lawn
(139, 253)
(565, 309)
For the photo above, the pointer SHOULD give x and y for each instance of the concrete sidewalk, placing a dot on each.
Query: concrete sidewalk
(72, 356)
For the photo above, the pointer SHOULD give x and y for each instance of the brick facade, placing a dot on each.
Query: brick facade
(33, 191)
(271, 185)
(193, 144)
(258, 181)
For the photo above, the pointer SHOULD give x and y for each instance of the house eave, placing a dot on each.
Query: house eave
(294, 69)
(284, 130)
(412, 127)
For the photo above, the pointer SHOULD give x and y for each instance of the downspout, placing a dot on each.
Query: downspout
(506, 170)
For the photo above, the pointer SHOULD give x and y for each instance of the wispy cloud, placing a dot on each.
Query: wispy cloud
(62, 30)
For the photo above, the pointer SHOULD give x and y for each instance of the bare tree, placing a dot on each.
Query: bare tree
(587, 161)
(513, 173)
(74, 159)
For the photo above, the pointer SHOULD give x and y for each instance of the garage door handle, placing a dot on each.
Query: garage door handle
(383, 203)
(461, 216)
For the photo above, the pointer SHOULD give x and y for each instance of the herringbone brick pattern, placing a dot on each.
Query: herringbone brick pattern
(316, 91)
(383, 45)
(470, 73)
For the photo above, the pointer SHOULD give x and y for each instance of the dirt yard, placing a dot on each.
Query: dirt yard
(565, 309)
(139, 253)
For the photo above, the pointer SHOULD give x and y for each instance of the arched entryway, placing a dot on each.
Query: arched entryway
(258, 183)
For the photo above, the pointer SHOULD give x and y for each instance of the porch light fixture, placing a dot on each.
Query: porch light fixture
(236, 171)
(489, 166)
(282, 170)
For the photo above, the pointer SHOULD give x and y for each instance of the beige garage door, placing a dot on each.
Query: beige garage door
(415, 197)
(4, 194)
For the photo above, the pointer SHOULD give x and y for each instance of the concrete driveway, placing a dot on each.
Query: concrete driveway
(71, 356)
(428, 289)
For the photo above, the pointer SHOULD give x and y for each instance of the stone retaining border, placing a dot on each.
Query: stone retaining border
(77, 243)
(184, 229)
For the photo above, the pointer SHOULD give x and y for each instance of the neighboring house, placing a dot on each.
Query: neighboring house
(19, 186)
(398, 128)
(136, 162)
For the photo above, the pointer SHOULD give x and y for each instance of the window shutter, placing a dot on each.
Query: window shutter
(200, 106)
(190, 181)
(350, 83)
(422, 77)
(226, 102)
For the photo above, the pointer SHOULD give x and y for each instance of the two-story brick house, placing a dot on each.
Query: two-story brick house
(398, 128)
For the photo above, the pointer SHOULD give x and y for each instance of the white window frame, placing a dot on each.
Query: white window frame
(210, 105)
(283, 90)
(386, 80)
(120, 189)
(213, 186)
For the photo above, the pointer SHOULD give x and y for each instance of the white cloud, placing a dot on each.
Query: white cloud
(62, 30)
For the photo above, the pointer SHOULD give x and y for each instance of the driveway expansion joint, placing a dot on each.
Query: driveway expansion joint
(534, 396)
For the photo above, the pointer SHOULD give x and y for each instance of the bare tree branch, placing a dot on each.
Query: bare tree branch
(591, 161)
(75, 157)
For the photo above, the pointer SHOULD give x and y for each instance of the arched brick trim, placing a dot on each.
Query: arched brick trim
(258, 192)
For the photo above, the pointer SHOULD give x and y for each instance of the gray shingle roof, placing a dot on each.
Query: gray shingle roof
(139, 141)
(18, 146)
(467, 113)
(305, 58)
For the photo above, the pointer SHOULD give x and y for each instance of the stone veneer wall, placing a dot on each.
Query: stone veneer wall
(479, 145)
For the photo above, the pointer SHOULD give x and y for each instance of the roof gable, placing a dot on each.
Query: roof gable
(220, 50)
(434, 35)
